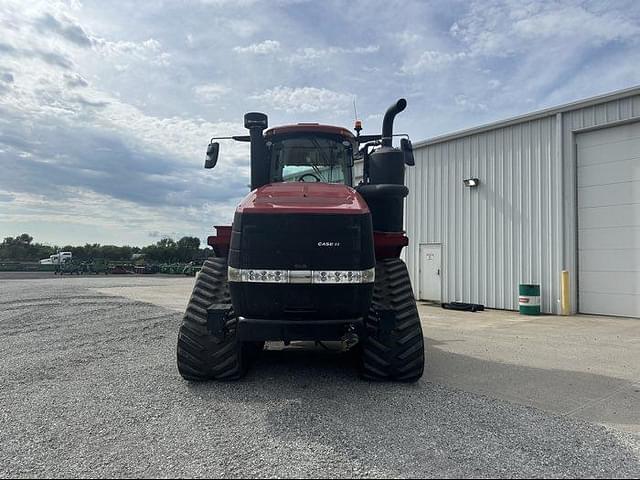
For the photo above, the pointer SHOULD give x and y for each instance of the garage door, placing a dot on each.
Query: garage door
(609, 221)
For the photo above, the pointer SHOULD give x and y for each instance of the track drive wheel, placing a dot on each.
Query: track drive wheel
(201, 355)
(393, 345)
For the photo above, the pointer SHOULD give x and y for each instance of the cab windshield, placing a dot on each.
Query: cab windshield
(311, 158)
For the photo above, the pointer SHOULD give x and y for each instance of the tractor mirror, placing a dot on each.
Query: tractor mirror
(212, 155)
(407, 150)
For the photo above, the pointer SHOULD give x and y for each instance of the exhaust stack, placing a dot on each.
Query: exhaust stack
(387, 122)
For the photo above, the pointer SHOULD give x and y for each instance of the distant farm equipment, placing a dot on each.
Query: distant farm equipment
(71, 267)
(26, 267)
(57, 258)
(103, 267)
(189, 269)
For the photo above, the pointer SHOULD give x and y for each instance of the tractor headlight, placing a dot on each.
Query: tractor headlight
(369, 275)
(329, 277)
(265, 276)
(343, 276)
(234, 274)
(257, 275)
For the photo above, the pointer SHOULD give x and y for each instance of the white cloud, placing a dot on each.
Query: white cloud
(305, 99)
(312, 55)
(149, 50)
(75, 80)
(572, 21)
(433, 61)
(469, 105)
(54, 95)
(46, 30)
(263, 48)
(50, 93)
(407, 38)
(501, 28)
(210, 91)
(184, 138)
(64, 26)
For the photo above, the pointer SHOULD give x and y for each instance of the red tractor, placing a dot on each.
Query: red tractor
(309, 257)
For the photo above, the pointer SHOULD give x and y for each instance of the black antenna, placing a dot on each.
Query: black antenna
(355, 110)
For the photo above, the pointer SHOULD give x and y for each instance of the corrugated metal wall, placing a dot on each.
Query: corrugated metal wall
(512, 228)
(499, 234)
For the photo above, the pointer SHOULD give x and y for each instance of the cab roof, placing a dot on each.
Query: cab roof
(309, 127)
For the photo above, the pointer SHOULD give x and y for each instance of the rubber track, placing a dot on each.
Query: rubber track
(201, 356)
(399, 353)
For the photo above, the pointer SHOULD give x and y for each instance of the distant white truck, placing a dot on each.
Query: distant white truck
(57, 258)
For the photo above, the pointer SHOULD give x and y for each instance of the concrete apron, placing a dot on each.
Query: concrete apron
(579, 366)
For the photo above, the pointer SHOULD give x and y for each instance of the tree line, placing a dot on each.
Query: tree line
(23, 249)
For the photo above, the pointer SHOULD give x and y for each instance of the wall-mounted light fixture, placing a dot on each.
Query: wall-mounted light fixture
(471, 182)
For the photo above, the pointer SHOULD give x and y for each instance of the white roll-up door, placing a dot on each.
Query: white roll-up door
(609, 220)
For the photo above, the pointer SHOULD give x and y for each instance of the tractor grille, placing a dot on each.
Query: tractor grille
(302, 242)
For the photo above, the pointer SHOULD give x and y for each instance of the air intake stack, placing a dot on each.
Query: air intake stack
(385, 191)
(256, 123)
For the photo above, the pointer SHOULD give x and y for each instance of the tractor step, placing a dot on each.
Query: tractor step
(258, 330)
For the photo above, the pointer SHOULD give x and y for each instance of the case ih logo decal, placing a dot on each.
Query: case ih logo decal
(328, 244)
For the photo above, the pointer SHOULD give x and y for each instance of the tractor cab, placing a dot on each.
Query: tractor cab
(310, 153)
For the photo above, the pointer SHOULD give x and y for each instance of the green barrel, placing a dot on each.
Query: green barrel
(529, 299)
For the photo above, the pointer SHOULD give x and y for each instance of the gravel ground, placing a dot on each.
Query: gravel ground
(90, 389)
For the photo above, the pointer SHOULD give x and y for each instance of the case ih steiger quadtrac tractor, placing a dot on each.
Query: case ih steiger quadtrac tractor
(308, 257)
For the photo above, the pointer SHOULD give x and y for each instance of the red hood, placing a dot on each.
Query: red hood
(302, 197)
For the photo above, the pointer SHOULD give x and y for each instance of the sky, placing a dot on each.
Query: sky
(106, 108)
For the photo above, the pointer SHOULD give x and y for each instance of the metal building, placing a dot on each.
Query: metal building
(559, 189)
